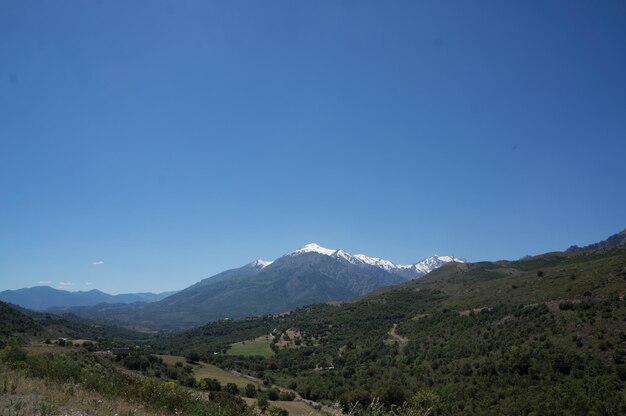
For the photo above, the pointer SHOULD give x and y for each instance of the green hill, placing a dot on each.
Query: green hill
(13, 322)
(544, 334)
(38, 326)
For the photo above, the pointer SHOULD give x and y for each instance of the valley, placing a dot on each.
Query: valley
(471, 338)
(312, 208)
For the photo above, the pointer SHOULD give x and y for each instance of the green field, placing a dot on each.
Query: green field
(259, 346)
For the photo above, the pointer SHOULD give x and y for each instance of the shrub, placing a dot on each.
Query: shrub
(273, 394)
(250, 391)
(232, 388)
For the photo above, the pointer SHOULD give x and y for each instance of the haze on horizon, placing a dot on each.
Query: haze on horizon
(145, 146)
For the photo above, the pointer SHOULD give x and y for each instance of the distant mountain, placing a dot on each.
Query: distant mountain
(44, 297)
(614, 241)
(308, 275)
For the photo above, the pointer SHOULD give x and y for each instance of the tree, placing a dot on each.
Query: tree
(193, 357)
(212, 384)
(232, 388)
(273, 394)
(250, 390)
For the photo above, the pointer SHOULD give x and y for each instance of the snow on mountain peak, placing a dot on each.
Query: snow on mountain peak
(314, 248)
(261, 264)
(375, 261)
(408, 271)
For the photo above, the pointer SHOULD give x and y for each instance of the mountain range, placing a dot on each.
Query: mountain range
(311, 274)
(526, 336)
(45, 297)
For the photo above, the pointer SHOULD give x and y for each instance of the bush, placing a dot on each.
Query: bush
(250, 391)
(232, 388)
(12, 354)
(273, 394)
(212, 384)
(286, 396)
(193, 357)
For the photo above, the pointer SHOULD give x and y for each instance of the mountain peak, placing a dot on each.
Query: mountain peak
(408, 271)
(314, 248)
(260, 264)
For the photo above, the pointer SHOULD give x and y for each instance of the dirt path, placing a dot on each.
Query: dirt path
(392, 332)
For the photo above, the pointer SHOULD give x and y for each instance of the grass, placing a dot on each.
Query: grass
(100, 383)
(23, 395)
(298, 409)
(223, 376)
(204, 370)
(259, 346)
(295, 408)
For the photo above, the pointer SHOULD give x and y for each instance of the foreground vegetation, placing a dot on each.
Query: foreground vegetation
(71, 371)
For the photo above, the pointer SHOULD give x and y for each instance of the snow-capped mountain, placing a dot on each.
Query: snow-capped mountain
(408, 271)
(309, 275)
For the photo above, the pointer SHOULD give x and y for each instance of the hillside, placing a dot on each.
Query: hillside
(616, 240)
(13, 322)
(544, 334)
(33, 326)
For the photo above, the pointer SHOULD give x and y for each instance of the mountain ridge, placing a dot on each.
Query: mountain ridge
(46, 297)
(309, 275)
(616, 240)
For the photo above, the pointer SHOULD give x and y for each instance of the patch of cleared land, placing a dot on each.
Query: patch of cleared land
(204, 370)
(223, 376)
(259, 346)
(288, 339)
(295, 408)
(292, 338)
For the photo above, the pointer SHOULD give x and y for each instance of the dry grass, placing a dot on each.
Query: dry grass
(295, 408)
(204, 370)
(25, 396)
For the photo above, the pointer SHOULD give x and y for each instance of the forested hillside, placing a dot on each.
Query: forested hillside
(545, 334)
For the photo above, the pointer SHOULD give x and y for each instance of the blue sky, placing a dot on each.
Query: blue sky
(173, 140)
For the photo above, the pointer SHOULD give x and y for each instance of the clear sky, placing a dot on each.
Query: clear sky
(145, 145)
